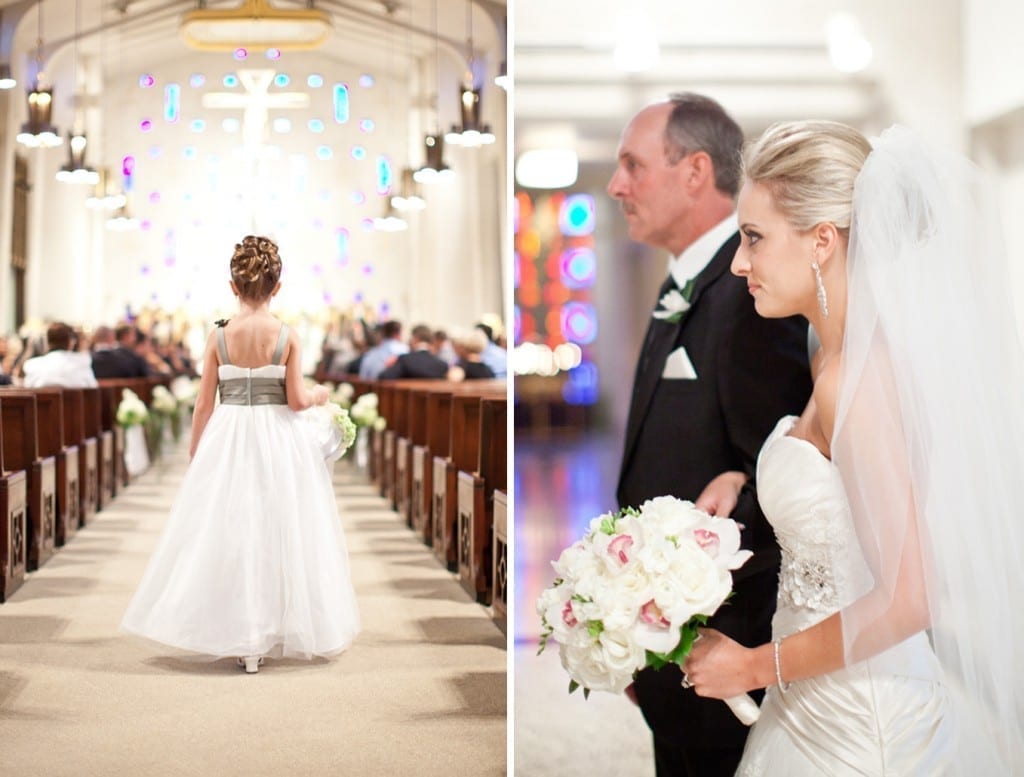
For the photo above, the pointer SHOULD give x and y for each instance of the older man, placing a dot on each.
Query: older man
(712, 380)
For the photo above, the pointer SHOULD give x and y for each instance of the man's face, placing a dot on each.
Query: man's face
(649, 189)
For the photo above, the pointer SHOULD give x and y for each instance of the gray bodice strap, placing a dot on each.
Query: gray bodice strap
(250, 390)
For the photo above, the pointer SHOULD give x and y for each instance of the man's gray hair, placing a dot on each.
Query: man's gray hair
(698, 123)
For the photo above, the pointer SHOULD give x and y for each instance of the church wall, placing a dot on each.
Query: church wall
(195, 194)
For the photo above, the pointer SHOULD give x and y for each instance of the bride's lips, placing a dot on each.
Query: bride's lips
(752, 287)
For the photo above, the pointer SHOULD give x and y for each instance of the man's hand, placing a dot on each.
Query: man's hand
(719, 497)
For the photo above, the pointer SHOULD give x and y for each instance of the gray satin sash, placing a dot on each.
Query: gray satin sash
(249, 390)
(252, 391)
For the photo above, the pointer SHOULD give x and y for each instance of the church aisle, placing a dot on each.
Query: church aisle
(422, 691)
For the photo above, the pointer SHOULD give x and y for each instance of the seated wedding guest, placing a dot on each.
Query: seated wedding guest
(420, 362)
(116, 358)
(344, 350)
(175, 356)
(470, 347)
(378, 358)
(145, 349)
(5, 359)
(443, 348)
(494, 356)
(61, 365)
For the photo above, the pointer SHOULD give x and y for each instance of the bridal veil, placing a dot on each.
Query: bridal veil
(929, 436)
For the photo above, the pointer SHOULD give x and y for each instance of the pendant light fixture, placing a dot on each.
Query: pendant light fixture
(75, 170)
(434, 168)
(38, 131)
(473, 133)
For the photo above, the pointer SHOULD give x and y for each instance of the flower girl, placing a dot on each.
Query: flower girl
(252, 562)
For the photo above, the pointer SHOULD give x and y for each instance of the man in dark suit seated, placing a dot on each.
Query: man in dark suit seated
(420, 362)
(117, 360)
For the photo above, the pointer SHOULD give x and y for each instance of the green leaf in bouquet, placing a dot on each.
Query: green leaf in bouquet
(573, 685)
(678, 654)
(594, 628)
(586, 693)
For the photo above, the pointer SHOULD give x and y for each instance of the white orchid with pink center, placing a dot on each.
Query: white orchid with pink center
(632, 592)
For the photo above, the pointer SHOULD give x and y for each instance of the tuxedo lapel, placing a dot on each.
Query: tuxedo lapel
(661, 337)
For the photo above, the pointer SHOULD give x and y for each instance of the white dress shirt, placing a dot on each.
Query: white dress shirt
(700, 253)
(70, 369)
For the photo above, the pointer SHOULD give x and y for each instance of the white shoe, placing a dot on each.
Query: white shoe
(251, 663)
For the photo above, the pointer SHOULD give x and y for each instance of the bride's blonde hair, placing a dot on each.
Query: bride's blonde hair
(810, 168)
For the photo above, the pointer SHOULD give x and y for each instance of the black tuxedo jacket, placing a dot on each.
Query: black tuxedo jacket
(416, 364)
(118, 362)
(681, 433)
(751, 371)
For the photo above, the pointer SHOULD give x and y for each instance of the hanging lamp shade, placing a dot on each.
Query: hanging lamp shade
(391, 221)
(105, 196)
(434, 168)
(122, 220)
(75, 170)
(38, 131)
(256, 24)
(408, 198)
(473, 132)
(6, 78)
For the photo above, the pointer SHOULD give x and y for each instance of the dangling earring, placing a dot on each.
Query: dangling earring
(822, 298)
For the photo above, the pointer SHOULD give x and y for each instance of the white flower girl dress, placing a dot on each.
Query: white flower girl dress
(253, 560)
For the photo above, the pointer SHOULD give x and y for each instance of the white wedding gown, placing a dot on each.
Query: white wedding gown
(253, 559)
(888, 715)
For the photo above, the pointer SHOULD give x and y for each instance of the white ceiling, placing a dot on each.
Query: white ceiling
(763, 61)
(140, 34)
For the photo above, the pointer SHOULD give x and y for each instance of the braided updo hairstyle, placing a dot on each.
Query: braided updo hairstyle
(255, 267)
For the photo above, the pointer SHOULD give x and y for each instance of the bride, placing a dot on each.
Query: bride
(897, 632)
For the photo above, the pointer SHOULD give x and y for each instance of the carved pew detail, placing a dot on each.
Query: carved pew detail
(21, 452)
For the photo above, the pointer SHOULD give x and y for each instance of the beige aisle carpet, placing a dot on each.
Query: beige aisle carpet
(421, 692)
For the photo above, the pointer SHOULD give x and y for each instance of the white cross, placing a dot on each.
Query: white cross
(256, 103)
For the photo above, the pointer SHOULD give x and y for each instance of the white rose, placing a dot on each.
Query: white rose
(694, 584)
(668, 515)
(606, 664)
(622, 656)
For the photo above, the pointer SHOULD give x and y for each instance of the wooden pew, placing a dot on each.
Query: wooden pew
(74, 427)
(442, 482)
(409, 425)
(385, 406)
(92, 405)
(499, 562)
(453, 441)
(110, 399)
(53, 442)
(19, 418)
(13, 530)
(421, 471)
(477, 453)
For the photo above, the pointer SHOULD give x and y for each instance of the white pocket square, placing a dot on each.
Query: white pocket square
(678, 366)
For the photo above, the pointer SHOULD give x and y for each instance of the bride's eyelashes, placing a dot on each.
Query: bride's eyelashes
(752, 237)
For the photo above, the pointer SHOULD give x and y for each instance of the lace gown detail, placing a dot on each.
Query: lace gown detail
(885, 716)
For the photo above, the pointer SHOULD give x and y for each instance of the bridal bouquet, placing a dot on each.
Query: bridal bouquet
(333, 430)
(633, 591)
